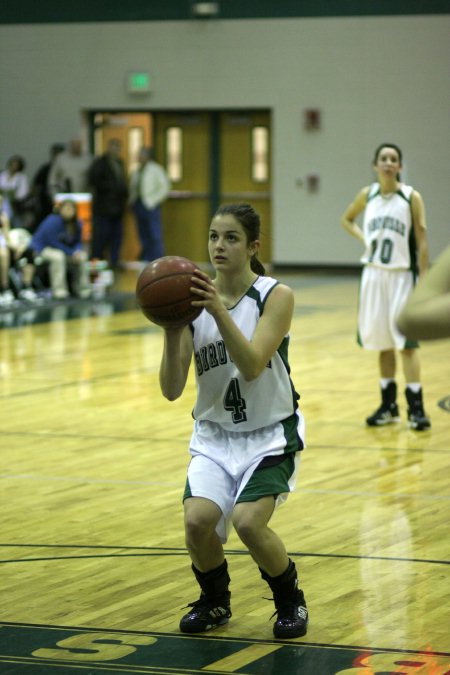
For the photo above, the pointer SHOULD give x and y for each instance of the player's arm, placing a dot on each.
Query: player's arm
(352, 211)
(175, 361)
(272, 328)
(250, 356)
(420, 231)
(426, 315)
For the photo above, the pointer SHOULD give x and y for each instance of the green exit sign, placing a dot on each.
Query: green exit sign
(138, 83)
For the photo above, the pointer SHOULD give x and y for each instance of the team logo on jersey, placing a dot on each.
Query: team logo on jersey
(210, 356)
(386, 223)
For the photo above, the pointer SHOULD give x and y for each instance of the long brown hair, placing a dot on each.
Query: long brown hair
(246, 215)
(393, 147)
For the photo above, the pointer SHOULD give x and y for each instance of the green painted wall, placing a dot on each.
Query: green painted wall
(55, 11)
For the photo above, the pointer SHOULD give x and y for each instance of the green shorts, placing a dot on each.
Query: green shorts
(269, 480)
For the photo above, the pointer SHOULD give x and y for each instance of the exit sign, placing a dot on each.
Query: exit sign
(138, 83)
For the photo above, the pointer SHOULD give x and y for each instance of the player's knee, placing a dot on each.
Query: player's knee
(55, 255)
(198, 525)
(246, 530)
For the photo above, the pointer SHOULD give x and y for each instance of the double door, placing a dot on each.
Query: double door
(211, 157)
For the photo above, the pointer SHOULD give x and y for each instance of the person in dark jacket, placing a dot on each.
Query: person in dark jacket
(108, 183)
(44, 199)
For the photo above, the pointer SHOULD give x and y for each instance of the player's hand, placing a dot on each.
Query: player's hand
(208, 297)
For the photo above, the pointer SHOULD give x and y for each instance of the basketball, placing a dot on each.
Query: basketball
(163, 291)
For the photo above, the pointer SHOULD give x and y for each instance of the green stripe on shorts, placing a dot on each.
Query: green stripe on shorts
(271, 480)
(187, 491)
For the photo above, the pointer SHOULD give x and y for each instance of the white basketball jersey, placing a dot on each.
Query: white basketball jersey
(223, 395)
(388, 229)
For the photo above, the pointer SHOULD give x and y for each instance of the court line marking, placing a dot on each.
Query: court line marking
(94, 437)
(216, 637)
(138, 439)
(87, 481)
(171, 551)
(75, 383)
(94, 666)
(320, 491)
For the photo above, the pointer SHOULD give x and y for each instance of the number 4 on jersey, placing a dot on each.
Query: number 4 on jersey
(234, 403)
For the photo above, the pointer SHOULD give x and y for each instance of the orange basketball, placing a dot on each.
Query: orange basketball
(163, 291)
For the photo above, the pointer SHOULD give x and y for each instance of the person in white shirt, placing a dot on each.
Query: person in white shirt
(149, 187)
(68, 172)
(14, 188)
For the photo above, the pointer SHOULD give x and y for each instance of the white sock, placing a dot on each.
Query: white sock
(414, 386)
(384, 381)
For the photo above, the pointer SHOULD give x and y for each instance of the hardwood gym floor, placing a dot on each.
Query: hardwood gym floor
(95, 574)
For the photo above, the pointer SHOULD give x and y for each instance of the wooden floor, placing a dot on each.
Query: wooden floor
(95, 574)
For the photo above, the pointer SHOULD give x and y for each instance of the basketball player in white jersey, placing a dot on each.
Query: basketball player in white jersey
(396, 250)
(248, 429)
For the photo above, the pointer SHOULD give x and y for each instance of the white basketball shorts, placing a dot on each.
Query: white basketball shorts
(223, 462)
(383, 294)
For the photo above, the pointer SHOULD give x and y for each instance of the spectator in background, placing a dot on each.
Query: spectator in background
(15, 255)
(14, 188)
(108, 182)
(39, 188)
(58, 241)
(22, 264)
(68, 172)
(6, 295)
(149, 187)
